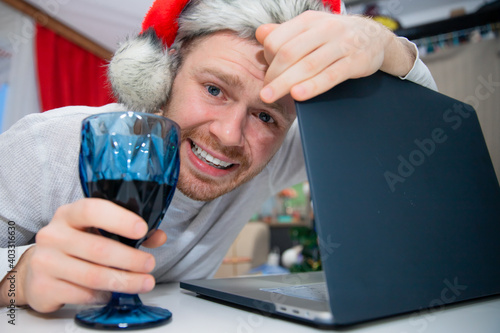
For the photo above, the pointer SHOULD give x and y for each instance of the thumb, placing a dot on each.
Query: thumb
(157, 239)
(264, 30)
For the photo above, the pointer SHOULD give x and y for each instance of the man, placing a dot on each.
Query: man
(227, 76)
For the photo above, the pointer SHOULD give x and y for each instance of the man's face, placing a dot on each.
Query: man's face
(228, 133)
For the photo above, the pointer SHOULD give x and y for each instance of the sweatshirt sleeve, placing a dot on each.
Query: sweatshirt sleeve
(419, 73)
(38, 174)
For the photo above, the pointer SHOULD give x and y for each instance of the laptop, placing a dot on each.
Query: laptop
(406, 204)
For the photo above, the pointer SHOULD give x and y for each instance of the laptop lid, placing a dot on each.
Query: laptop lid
(406, 200)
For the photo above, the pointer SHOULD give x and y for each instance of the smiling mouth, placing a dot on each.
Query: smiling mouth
(209, 159)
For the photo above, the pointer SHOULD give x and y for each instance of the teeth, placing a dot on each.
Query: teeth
(201, 154)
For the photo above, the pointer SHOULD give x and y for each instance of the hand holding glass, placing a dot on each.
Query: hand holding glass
(131, 159)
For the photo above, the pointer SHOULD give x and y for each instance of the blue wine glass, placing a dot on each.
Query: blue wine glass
(131, 159)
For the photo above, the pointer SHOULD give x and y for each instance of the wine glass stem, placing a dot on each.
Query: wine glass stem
(125, 301)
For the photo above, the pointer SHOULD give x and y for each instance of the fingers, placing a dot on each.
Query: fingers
(322, 82)
(90, 275)
(311, 56)
(67, 235)
(158, 238)
(54, 279)
(103, 214)
(289, 80)
(285, 44)
(57, 293)
(291, 49)
(97, 249)
(263, 31)
(71, 265)
(46, 294)
(315, 51)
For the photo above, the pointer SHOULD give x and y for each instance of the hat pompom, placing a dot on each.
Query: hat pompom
(140, 74)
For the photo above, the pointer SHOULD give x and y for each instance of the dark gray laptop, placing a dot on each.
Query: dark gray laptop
(407, 208)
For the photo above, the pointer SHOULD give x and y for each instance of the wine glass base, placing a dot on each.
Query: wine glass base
(123, 318)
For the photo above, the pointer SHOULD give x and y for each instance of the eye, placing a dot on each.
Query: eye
(213, 90)
(266, 117)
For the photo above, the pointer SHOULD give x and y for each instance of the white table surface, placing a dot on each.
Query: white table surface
(194, 314)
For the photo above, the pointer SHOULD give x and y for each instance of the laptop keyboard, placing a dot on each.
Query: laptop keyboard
(313, 291)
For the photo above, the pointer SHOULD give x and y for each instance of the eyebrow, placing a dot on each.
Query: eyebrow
(229, 79)
(235, 81)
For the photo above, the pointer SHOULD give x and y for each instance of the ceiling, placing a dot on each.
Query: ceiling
(111, 20)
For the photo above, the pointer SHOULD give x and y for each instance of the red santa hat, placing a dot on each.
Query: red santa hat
(143, 68)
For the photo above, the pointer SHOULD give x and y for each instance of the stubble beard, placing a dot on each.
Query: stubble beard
(200, 187)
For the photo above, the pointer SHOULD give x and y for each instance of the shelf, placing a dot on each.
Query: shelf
(487, 14)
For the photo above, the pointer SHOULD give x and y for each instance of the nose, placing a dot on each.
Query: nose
(229, 126)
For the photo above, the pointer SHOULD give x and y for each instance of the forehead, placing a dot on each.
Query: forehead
(237, 61)
(226, 46)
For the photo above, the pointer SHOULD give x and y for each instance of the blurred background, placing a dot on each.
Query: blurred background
(53, 53)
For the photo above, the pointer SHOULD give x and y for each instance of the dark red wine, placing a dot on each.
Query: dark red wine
(149, 200)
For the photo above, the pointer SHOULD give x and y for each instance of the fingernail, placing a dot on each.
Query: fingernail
(266, 94)
(149, 264)
(298, 91)
(140, 228)
(148, 284)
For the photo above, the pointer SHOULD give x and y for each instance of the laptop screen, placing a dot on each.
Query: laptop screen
(403, 185)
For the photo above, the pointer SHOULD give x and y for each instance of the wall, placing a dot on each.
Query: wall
(471, 74)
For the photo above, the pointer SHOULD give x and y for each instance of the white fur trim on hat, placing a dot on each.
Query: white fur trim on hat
(141, 71)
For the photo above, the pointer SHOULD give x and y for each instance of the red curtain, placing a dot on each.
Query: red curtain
(68, 74)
